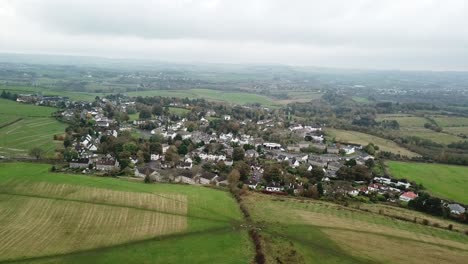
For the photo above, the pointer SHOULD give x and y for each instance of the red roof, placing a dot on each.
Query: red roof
(410, 195)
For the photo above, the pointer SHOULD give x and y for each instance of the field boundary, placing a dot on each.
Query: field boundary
(11, 123)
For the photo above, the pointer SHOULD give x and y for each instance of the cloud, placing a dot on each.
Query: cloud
(362, 33)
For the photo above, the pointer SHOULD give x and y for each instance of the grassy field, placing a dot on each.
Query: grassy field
(411, 125)
(212, 95)
(405, 121)
(311, 231)
(445, 181)
(178, 111)
(364, 139)
(361, 100)
(441, 138)
(34, 127)
(449, 121)
(57, 218)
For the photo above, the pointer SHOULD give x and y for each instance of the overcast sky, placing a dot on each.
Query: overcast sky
(393, 34)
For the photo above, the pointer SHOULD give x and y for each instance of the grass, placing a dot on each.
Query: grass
(34, 128)
(58, 218)
(405, 121)
(240, 98)
(449, 121)
(361, 100)
(295, 231)
(444, 181)
(178, 111)
(355, 137)
(411, 125)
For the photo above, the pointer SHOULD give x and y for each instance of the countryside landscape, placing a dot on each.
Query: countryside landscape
(209, 132)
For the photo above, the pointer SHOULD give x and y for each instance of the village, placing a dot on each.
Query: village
(217, 146)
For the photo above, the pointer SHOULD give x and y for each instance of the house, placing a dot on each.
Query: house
(80, 163)
(274, 189)
(251, 153)
(456, 209)
(165, 147)
(144, 171)
(408, 196)
(251, 183)
(186, 164)
(293, 148)
(353, 193)
(374, 187)
(295, 163)
(107, 164)
(272, 145)
(207, 178)
(155, 157)
(228, 162)
(227, 117)
(184, 179)
(333, 150)
(349, 150)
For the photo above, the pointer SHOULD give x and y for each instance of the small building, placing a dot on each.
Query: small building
(107, 164)
(408, 196)
(80, 163)
(456, 209)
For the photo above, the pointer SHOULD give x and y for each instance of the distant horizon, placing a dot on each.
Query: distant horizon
(193, 63)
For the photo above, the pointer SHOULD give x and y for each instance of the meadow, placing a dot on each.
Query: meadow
(58, 218)
(355, 137)
(240, 98)
(444, 181)
(411, 125)
(33, 127)
(311, 231)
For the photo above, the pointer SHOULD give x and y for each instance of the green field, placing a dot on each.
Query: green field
(34, 127)
(57, 218)
(361, 100)
(405, 121)
(444, 181)
(310, 231)
(413, 126)
(178, 111)
(449, 121)
(355, 137)
(240, 98)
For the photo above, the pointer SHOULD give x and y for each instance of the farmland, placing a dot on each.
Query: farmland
(25, 126)
(445, 181)
(295, 231)
(411, 125)
(240, 98)
(364, 139)
(56, 218)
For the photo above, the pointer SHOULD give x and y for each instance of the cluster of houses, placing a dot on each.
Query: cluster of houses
(49, 100)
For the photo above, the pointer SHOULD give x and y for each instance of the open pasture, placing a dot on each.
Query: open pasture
(59, 218)
(34, 127)
(355, 137)
(240, 98)
(16, 139)
(296, 231)
(444, 181)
